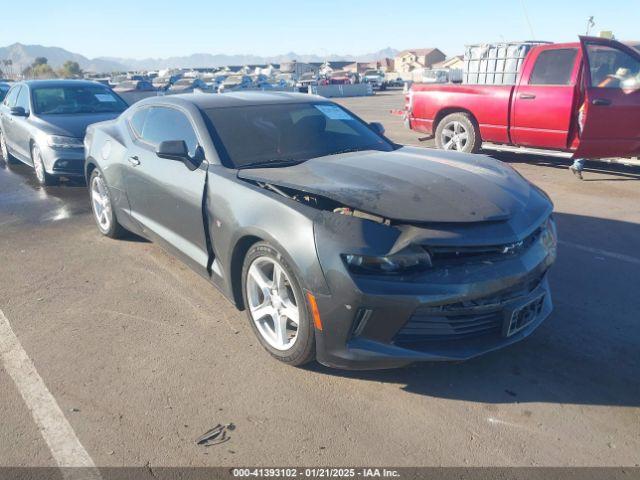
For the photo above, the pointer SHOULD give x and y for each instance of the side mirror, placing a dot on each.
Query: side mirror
(174, 150)
(377, 127)
(18, 112)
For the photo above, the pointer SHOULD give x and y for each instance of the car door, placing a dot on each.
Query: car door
(166, 196)
(609, 124)
(6, 119)
(20, 133)
(544, 102)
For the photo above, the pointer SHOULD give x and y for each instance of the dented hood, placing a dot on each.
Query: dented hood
(412, 184)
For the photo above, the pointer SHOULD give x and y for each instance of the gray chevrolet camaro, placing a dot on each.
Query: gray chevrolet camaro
(341, 245)
(42, 124)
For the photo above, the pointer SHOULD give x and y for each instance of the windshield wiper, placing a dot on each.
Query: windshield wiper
(349, 150)
(270, 164)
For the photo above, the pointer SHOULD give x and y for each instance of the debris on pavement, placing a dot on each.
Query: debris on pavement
(216, 435)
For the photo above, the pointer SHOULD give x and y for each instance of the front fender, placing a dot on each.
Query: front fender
(237, 210)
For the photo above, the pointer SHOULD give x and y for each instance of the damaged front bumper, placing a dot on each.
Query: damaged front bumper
(444, 314)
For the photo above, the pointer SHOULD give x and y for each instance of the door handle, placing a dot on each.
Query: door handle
(134, 161)
(603, 102)
(527, 96)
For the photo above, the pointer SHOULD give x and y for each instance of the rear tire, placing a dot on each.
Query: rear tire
(269, 301)
(102, 206)
(4, 151)
(458, 132)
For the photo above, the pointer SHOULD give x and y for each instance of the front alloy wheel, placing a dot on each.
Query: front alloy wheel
(276, 306)
(38, 164)
(102, 208)
(272, 302)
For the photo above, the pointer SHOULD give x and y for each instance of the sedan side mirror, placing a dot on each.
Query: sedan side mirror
(18, 112)
(174, 150)
(377, 127)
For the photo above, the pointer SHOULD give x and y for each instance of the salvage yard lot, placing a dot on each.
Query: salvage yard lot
(143, 356)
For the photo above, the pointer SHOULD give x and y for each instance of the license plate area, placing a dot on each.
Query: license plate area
(521, 315)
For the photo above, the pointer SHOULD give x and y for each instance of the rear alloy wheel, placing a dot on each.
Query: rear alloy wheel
(458, 132)
(43, 177)
(102, 207)
(276, 306)
(4, 150)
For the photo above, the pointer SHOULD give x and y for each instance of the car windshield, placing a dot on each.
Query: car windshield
(3, 91)
(272, 135)
(76, 99)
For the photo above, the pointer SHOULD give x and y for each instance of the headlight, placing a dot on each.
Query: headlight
(550, 236)
(411, 259)
(55, 141)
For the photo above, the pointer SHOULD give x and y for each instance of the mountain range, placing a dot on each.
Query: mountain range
(23, 55)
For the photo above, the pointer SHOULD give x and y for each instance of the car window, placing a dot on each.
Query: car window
(76, 99)
(288, 133)
(554, 67)
(23, 99)
(137, 121)
(613, 68)
(163, 124)
(12, 96)
(3, 91)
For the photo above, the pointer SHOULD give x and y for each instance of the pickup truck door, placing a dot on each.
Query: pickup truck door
(609, 123)
(544, 102)
(166, 196)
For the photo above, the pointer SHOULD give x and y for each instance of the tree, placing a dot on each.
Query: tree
(70, 69)
(39, 69)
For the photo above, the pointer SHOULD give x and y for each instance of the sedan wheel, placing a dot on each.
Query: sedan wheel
(272, 302)
(4, 150)
(276, 305)
(41, 174)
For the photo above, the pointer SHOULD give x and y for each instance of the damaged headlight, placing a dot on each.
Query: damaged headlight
(409, 260)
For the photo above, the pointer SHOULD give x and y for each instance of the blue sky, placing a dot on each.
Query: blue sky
(150, 28)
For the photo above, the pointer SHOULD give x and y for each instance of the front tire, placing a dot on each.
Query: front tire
(459, 132)
(102, 206)
(38, 164)
(276, 306)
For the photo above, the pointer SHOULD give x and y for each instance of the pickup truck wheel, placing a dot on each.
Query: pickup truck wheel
(459, 132)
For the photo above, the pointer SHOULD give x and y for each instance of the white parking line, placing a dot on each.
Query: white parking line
(602, 253)
(65, 447)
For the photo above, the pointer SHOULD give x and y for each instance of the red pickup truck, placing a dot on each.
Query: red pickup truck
(580, 99)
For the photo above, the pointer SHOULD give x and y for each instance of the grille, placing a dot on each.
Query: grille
(460, 320)
(448, 256)
(428, 327)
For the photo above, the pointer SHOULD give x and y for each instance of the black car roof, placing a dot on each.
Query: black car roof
(206, 101)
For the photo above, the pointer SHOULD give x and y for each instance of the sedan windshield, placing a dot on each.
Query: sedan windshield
(76, 99)
(274, 135)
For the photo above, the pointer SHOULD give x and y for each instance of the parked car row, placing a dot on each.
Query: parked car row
(342, 246)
